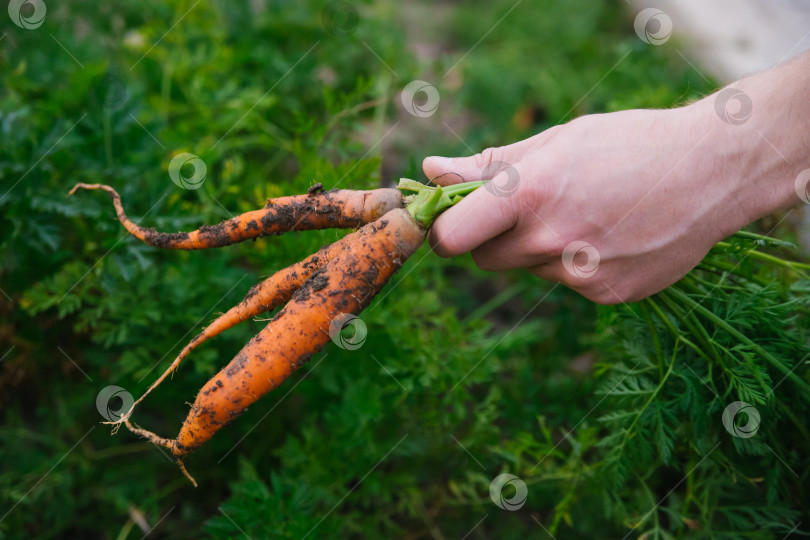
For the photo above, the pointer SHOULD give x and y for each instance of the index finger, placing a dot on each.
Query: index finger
(481, 215)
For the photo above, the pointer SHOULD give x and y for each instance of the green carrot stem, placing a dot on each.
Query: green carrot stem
(690, 321)
(674, 331)
(686, 300)
(766, 240)
(730, 270)
(430, 201)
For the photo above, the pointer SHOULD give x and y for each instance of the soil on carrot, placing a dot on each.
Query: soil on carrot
(162, 240)
(236, 366)
(287, 217)
(316, 282)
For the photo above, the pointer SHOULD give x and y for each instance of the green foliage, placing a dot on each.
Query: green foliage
(612, 417)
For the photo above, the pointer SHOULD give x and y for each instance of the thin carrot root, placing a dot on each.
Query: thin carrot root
(185, 471)
(341, 209)
(155, 439)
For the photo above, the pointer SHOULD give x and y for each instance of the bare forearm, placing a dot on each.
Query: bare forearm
(763, 133)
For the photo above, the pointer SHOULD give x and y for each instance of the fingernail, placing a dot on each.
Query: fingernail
(440, 162)
(436, 166)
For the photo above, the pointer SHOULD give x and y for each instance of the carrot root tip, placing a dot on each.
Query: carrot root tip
(79, 186)
(115, 427)
(124, 419)
(185, 471)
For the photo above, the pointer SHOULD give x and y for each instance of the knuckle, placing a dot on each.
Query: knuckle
(485, 158)
(581, 122)
(549, 244)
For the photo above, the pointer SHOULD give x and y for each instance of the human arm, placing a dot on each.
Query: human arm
(619, 206)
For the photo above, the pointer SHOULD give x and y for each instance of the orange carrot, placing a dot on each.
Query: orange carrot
(344, 280)
(339, 208)
(262, 297)
(347, 284)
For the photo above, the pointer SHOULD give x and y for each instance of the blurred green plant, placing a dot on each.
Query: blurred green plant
(611, 416)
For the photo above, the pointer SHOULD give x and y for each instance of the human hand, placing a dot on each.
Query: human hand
(616, 206)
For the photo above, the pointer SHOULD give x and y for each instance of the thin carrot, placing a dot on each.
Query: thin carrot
(347, 284)
(339, 208)
(262, 297)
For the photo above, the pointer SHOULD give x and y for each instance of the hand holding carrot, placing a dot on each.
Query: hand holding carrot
(619, 206)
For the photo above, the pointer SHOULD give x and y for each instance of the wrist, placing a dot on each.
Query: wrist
(755, 141)
(718, 156)
(760, 131)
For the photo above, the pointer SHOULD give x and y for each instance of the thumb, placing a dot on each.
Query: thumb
(485, 165)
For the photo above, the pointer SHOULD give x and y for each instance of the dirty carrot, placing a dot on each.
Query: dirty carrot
(339, 208)
(263, 297)
(346, 284)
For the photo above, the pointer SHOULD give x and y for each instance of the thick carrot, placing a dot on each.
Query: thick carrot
(262, 297)
(347, 284)
(339, 208)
